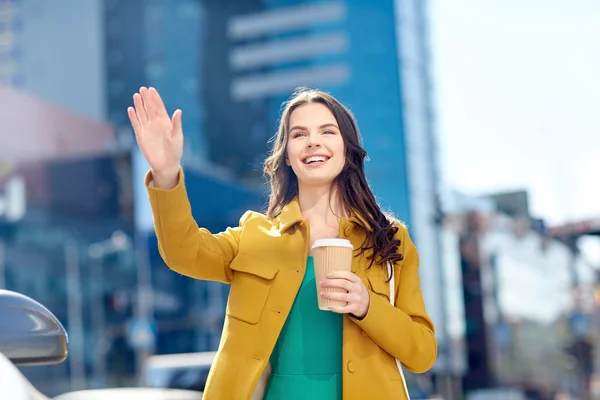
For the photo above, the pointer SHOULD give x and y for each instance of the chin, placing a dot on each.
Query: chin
(316, 176)
(316, 181)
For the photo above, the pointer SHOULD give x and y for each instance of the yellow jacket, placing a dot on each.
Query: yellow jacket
(264, 261)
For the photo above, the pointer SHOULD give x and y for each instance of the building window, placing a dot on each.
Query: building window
(114, 27)
(116, 87)
(115, 57)
(154, 69)
(189, 10)
(190, 85)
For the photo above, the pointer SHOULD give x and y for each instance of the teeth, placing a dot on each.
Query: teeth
(314, 158)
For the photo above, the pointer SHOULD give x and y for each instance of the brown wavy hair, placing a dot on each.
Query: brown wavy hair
(356, 196)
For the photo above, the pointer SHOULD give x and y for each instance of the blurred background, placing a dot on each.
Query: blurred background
(480, 118)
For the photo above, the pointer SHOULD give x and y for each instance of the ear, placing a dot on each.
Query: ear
(287, 162)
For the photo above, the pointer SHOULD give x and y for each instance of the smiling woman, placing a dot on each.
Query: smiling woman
(277, 343)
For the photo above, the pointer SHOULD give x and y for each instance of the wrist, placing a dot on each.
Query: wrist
(166, 179)
(363, 313)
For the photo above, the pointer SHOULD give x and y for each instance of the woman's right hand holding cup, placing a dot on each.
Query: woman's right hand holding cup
(159, 137)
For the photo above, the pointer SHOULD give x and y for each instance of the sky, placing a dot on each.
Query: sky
(518, 100)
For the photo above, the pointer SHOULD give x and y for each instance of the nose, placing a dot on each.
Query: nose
(313, 141)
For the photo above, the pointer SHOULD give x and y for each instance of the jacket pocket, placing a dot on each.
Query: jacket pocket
(250, 287)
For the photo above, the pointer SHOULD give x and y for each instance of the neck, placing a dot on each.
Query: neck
(320, 204)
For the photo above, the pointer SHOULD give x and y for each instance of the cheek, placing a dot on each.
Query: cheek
(289, 155)
(341, 151)
(338, 144)
(292, 152)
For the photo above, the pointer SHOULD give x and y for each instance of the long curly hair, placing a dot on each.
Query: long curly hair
(355, 194)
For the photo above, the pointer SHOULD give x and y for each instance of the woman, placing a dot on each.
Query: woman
(273, 328)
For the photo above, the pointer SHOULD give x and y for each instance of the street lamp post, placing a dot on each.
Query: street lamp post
(118, 242)
(2, 264)
(74, 310)
(144, 310)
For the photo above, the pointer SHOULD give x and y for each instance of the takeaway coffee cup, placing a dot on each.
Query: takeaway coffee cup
(331, 255)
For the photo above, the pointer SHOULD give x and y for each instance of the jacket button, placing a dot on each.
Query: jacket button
(350, 367)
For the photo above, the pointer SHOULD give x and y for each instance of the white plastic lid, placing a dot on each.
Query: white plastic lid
(332, 243)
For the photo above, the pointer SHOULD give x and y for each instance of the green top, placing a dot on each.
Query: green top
(307, 359)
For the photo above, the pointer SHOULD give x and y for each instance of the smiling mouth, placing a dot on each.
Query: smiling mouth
(315, 160)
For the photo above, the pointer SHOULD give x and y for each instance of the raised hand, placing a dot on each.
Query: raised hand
(159, 137)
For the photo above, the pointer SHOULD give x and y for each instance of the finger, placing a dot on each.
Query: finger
(343, 275)
(159, 106)
(345, 297)
(176, 121)
(148, 105)
(135, 122)
(349, 309)
(139, 109)
(338, 283)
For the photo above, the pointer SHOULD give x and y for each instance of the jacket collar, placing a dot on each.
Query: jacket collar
(357, 219)
(291, 215)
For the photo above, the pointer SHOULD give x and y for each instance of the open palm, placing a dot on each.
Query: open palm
(159, 137)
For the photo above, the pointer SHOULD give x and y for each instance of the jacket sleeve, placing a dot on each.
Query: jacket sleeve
(405, 331)
(184, 247)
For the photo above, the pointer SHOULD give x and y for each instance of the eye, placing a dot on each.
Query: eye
(328, 133)
(297, 134)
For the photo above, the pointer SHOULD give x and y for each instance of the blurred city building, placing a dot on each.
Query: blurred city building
(70, 72)
(68, 238)
(61, 190)
(528, 297)
(585, 320)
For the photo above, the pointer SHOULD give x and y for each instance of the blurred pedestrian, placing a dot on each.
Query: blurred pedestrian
(276, 342)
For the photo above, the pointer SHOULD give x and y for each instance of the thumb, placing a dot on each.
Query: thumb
(176, 121)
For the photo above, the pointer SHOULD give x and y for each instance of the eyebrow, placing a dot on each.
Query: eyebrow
(321, 127)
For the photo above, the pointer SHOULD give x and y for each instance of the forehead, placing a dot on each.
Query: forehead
(311, 114)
